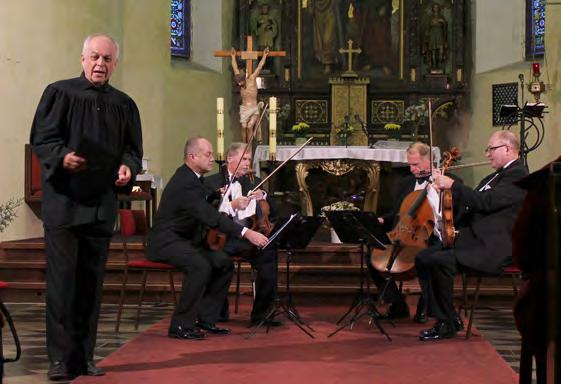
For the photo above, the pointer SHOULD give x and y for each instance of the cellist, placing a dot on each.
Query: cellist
(484, 243)
(242, 207)
(419, 160)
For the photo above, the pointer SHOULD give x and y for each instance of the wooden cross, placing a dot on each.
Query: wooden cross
(249, 55)
(349, 51)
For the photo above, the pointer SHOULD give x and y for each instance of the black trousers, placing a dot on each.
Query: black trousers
(76, 259)
(207, 276)
(436, 269)
(265, 263)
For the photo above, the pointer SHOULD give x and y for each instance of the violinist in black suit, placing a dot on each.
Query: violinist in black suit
(484, 244)
(243, 207)
(177, 238)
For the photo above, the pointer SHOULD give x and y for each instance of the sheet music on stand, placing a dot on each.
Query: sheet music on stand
(279, 230)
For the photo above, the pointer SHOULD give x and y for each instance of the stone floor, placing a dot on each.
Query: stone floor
(493, 319)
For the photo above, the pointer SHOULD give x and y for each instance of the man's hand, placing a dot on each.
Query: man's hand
(257, 195)
(255, 238)
(241, 202)
(73, 162)
(442, 182)
(233, 53)
(124, 176)
(266, 52)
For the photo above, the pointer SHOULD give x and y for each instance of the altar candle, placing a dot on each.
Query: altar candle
(272, 128)
(220, 128)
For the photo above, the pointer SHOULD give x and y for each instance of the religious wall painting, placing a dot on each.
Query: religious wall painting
(312, 111)
(325, 26)
(436, 33)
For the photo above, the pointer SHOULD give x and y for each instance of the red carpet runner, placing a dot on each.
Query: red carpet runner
(286, 355)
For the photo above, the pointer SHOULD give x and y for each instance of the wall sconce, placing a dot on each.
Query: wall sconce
(536, 87)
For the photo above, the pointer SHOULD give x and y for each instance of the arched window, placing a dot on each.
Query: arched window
(535, 29)
(180, 28)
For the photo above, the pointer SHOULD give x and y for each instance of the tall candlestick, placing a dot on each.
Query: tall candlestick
(272, 128)
(220, 128)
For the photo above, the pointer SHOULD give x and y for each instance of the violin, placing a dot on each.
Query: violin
(260, 220)
(447, 230)
(214, 239)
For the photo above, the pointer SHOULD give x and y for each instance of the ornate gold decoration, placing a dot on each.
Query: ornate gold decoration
(338, 168)
(311, 111)
(387, 111)
(348, 101)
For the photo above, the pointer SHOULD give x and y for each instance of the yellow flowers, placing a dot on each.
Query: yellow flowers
(392, 127)
(299, 129)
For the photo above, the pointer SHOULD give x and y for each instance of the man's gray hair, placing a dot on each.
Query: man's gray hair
(421, 148)
(510, 138)
(94, 35)
(191, 146)
(234, 148)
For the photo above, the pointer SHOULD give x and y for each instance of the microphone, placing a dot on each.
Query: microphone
(521, 77)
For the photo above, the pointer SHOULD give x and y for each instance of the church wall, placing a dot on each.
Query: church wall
(488, 53)
(40, 42)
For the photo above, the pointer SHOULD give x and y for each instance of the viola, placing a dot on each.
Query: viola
(261, 222)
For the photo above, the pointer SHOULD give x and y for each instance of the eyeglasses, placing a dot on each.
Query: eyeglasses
(491, 149)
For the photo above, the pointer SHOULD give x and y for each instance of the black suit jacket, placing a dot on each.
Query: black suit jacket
(184, 212)
(486, 243)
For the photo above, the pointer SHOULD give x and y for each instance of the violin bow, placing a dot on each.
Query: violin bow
(431, 158)
(281, 165)
(248, 145)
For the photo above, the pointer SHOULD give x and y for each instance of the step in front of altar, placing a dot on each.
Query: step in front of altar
(321, 268)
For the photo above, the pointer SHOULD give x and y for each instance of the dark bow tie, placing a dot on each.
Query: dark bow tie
(421, 180)
(202, 179)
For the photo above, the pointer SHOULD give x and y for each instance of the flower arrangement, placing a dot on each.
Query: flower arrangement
(392, 127)
(339, 206)
(8, 212)
(300, 129)
(415, 112)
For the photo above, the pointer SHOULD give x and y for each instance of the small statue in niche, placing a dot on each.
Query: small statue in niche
(265, 26)
(435, 40)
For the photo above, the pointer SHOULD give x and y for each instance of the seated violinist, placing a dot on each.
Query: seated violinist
(484, 242)
(176, 238)
(244, 207)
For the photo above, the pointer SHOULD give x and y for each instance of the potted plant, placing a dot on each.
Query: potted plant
(393, 130)
(8, 213)
(337, 206)
(299, 130)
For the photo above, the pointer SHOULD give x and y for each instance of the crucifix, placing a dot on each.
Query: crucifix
(250, 108)
(349, 51)
(249, 54)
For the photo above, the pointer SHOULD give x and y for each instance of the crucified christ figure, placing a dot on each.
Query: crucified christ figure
(249, 108)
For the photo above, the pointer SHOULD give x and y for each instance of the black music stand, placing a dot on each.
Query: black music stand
(290, 233)
(362, 228)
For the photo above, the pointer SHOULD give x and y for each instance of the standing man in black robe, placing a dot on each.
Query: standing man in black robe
(177, 238)
(236, 201)
(485, 243)
(88, 138)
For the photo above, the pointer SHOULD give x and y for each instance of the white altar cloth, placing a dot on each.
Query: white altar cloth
(393, 155)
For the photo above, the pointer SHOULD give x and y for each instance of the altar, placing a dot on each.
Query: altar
(339, 161)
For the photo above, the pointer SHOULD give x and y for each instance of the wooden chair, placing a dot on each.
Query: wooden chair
(133, 223)
(5, 317)
(238, 260)
(511, 271)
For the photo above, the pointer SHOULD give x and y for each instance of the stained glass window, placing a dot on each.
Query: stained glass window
(535, 28)
(180, 28)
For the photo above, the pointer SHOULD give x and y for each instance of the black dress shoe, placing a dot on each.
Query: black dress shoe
(212, 328)
(59, 372)
(186, 333)
(441, 330)
(458, 324)
(92, 370)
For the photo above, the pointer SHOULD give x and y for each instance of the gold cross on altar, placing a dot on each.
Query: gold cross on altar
(249, 55)
(349, 51)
